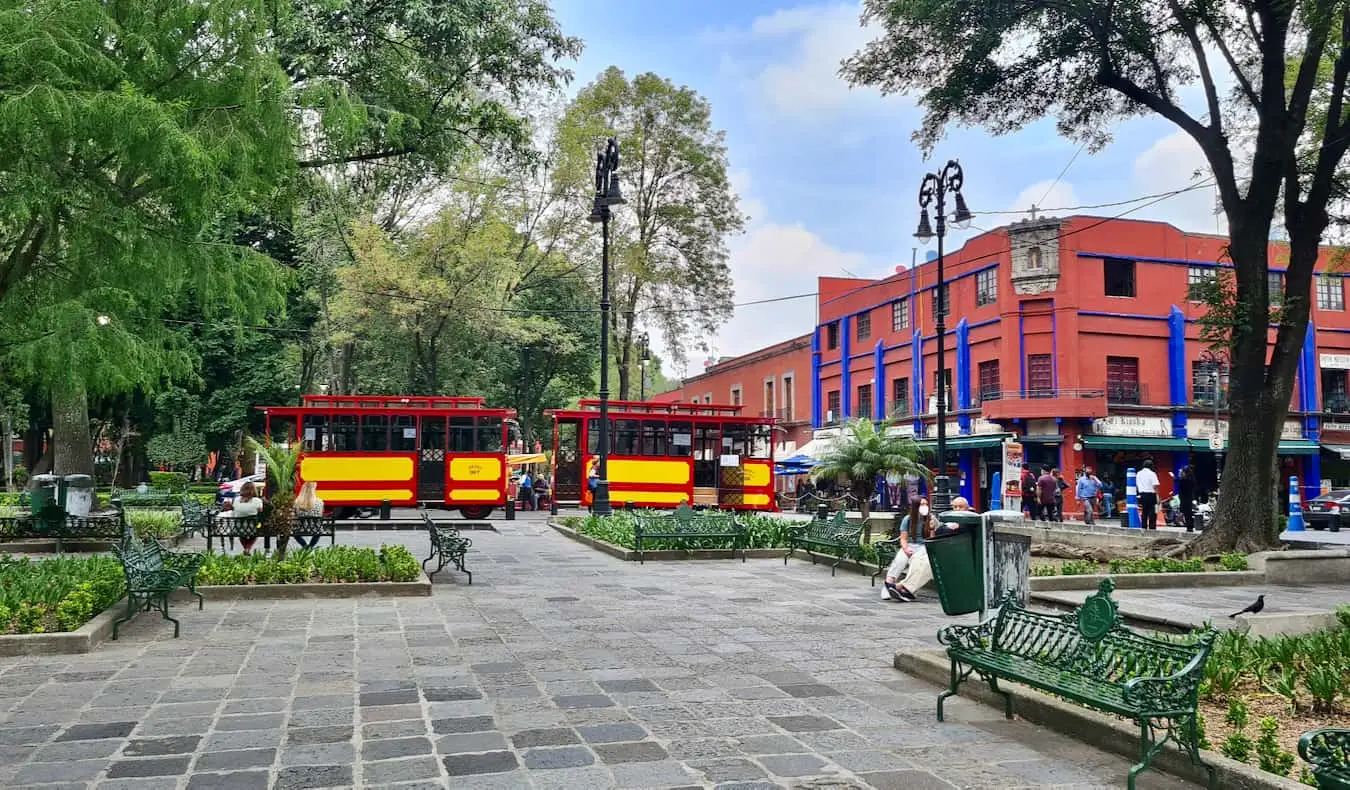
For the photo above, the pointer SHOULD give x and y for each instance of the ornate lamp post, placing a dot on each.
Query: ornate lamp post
(644, 356)
(1217, 362)
(935, 187)
(606, 194)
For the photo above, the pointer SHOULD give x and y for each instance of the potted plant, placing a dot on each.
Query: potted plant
(279, 513)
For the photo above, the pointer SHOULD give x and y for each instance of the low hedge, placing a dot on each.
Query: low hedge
(331, 564)
(55, 595)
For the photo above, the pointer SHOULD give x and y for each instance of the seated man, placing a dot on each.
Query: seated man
(920, 569)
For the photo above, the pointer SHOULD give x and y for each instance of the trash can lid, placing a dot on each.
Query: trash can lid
(960, 518)
(45, 479)
(80, 481)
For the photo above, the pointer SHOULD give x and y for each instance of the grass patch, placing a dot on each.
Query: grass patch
(56, 595)
(328, 565)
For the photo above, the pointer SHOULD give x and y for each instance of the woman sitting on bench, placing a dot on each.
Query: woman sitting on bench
(913, 555)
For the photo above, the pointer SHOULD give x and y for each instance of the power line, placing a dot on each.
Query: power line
(1172, 193)
(1055, 183)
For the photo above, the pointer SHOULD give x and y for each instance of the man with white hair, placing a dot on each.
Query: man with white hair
(920, 570)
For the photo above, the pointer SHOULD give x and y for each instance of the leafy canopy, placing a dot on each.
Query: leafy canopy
(866, 451)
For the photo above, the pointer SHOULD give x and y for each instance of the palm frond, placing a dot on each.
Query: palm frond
(282, 462)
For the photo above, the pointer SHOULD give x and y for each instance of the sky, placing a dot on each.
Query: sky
(828, 174)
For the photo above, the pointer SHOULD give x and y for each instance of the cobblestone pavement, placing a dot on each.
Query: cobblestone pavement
(558, 668)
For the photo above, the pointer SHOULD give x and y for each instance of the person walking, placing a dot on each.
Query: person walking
(1030, 498)
(1146, 484)
(1186, 491)
(1046, 489)
(1086, 491)
(1060, 487)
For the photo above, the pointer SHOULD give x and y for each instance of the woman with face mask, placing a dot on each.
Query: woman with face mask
(911, 543)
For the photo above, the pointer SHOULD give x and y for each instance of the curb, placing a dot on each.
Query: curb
(1095, 729)
(1130, 615)
(1149, 581)
(82, 640)
(664, 555)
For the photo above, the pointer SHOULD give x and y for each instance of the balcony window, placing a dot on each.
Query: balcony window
(832, 336)
(1040, 376)
(1275, 285)
(989, 380)
(944, 303)
(1197, 277)
(864, 324)
(865, 404)
(832, 407)
(1330, 293)
(1205, 385)
(900, 397)
(900, 315)
(1122, 380)
(1334, 397)
(986, 287)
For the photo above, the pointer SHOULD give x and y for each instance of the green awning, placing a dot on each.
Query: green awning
(974, 442)
(1287, 446)
(1095, 442)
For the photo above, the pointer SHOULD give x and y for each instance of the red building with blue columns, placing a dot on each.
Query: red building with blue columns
(1076, 337)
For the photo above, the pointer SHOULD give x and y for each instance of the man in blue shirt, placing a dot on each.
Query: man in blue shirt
(1086, 492)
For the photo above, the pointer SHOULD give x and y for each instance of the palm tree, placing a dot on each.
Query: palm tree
(865, 452)
(282, 463)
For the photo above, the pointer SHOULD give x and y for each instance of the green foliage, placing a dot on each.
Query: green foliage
(169, 481)
(1306, 777)
(324, 565)
(1157, 565)
(1233, 561)
(1202, 739)
(1228, 562)
(1078, 568)
(863, 453)
(282, 463)
(159, 524)
(56, 595)
(762, 532)
(1269, 755)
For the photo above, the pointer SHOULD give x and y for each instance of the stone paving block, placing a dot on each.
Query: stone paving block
(639, 752)
(391, 713)
(399, 697)
(583, 701)
(147, 747)
(150, 766)
(792, 764)
(235, 760)
(140, 783)
(96, 732)
(594, 777)
(319, 754)
(451, 694)
(394, 729)
(395, 748)
(485, 763)
(557, 757)
(235, 780)
(260, 721)
(667, 773)
(404, 770)
(471, 742)
(244, 739)
(67, 771)
(313, 776)
(70, 750)
(560, 736)
(334, 734)
(805, 723)
(612, 733)
(464, 724)
(323, 718)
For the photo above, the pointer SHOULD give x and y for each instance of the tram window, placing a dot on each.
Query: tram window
(375, 433)
(489, 434)
(626, 437)
(761, 441)
(593, 435)
(344, 433)
(681, 439)
(461, 434)
(403, 434)
(653, 437)
(281, 429)
(734, 437)
(315, 427)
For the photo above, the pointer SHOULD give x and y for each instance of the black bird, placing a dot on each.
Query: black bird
(1255, 608)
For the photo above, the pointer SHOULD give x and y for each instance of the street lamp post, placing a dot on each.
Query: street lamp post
(1217, 362)
(606, 194)
(935, 187)
(644, 355)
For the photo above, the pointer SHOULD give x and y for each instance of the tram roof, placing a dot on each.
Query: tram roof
(728, 412)
(418, 404)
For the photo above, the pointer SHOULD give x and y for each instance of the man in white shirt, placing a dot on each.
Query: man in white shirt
(1146, 483)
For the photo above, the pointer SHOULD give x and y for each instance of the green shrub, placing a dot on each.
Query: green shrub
(1269, 755)
(1078, 568)
(1233, 561)
(55, 595)
(325, 565)
(169, 481)
(159, 524)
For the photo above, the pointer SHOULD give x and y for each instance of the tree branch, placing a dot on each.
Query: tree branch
(1188, 27)
(369, 156)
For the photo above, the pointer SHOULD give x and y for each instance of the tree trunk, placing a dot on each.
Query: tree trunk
(71, 441)
(121, 444)
(9, 453)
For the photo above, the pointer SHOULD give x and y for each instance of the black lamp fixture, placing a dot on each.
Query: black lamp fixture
(934, 188)
(644, 356)
(606, 194)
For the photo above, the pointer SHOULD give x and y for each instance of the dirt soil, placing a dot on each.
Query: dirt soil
(1261, 704)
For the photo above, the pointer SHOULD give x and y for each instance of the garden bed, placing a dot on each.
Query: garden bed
(1227, 562)
(56, 595)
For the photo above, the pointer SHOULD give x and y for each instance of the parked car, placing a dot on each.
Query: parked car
(230, 488)
(1329, 511)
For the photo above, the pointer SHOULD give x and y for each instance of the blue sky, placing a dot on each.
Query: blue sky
(828, 174)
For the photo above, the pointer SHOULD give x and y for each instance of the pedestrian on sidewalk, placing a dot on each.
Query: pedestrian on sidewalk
(1046, 489)
(1060, 487)
(1086, 491)
(1146, 484)
(1186, 489)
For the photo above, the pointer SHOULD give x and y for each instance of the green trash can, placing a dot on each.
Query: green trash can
(44, 492)
(958, 563)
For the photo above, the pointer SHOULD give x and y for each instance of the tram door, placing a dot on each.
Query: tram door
(707, 462)
(431, 460)
(567, 456)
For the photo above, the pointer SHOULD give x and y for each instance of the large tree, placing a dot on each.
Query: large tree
(1089, 63)
(669, 244)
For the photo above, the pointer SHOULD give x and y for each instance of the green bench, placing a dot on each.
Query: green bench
(1088, 657)
(153, 573)
(448, 547)
(1328, 752)
(315, 527)
(194, 516)
(150, 497)
(53, 523)
(835, 535)
(222, 526)
(689, 527)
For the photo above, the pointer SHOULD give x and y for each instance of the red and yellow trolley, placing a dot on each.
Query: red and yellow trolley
(662, 454)
(365, 449)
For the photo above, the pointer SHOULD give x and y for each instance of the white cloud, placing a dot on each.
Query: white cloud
(1172, 163)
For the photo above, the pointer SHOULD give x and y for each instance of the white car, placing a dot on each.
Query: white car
(230, 488)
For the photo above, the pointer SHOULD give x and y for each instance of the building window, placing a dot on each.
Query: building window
(1196, 278)
(900, 315)
(1330, 292)
(864, 322)
(1122, 380)
(986, 287)
(1040, 376)
(990, 386)
(1275, 284)
(832, 336)
(786, 410)
(1035, 258)
(1205, 386)
(945, 303)
(900, 397)
(832, 407)
(1118, 274)
(735, 396)
(768, 406)
(946, 389)
(865, 404)
(1334, 397)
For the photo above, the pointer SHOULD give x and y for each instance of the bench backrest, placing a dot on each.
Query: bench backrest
(138, 557)
(1092, 641)
(836, 525)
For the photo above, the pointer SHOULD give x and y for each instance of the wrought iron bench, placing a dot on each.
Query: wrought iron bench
(1328, 752)
(194, 517)
(55, 524)
(222, 526)
(834, 534)
(447, 547)
(152, 574)
(151, 497)
(690, 529)
(315, 527)
(1088, 657)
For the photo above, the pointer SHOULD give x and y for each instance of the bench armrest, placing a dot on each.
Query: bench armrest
(1325, 748)
(969, 637)
(1175, 691)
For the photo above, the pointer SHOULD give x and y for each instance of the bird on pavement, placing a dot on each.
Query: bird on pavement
(1255, 608)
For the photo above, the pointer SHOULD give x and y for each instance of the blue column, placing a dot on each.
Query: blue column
(1132, 499)
(962, 374)
(815, 379)
(996, 491)
(1180, 458)
(879, 382)
(1295, 507)
(845, 375)
(966, 463)
(1176, 370)
(916, 379)
(1312, 475)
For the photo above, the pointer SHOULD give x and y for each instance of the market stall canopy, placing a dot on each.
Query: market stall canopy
(798, 464)
(528, 458)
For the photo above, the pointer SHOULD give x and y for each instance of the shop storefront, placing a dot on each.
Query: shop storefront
(972, 459)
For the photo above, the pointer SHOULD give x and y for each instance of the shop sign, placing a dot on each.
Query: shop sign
(1292, 429)
(953, 429)
(1120, 425)
(1334, 361)
(1336, 426)
(1204, 428)
(980, 425)
(1012, 475)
